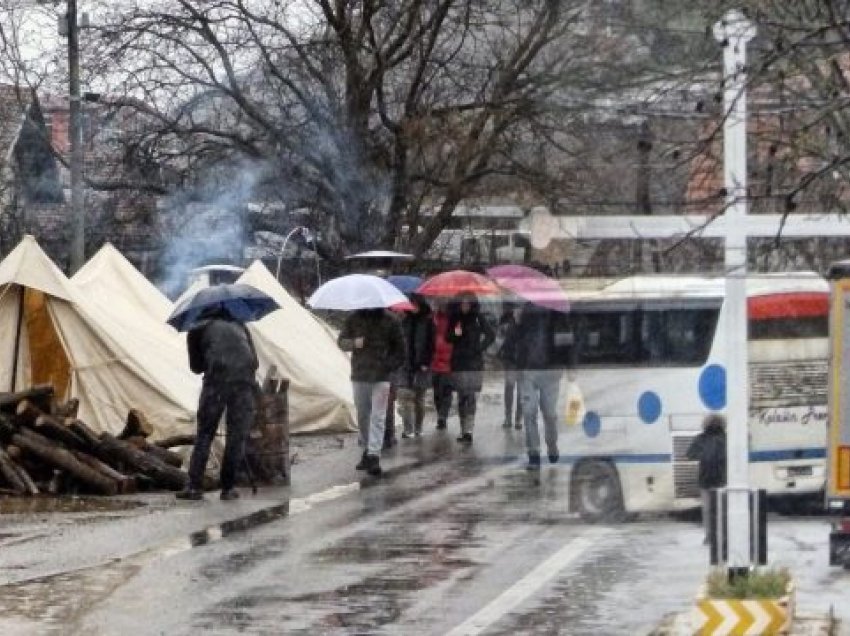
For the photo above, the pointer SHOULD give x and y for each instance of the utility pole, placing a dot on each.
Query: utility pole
(733, 32)
(78, 219)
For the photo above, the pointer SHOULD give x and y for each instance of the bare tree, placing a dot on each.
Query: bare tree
(379, 116)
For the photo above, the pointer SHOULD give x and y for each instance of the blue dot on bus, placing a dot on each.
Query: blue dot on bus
(649, 407)
(592, 424)
(712, 387)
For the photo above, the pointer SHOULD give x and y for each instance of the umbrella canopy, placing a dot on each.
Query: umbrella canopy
(456, 282)
(531, 285)
(382, 254)
(242, 302)
(405, 284)
(357, 291)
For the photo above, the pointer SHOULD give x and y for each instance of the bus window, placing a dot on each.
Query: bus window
(677, 336)
(652, 337)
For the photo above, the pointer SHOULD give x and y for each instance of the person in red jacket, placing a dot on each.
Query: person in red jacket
(441, 367)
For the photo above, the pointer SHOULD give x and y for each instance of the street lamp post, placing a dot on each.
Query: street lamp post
(78, 219)
(306, 232)
(733, 32)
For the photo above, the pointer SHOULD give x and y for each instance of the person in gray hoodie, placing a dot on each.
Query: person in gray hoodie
(222, 350)
(376, 344)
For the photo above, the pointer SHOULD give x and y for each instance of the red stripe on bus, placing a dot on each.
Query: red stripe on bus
(789, 305)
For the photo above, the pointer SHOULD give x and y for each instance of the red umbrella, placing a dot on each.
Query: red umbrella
(531, 285)
(458, 281)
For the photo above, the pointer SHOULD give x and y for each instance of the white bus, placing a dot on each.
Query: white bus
(647, 356)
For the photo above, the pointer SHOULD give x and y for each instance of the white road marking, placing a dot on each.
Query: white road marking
(518, 593)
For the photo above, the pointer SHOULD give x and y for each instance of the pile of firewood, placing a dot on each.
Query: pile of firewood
(44, 447)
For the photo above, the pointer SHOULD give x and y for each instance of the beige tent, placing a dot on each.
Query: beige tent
(320, 396)
(50, 331)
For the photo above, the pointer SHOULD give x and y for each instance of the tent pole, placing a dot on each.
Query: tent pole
(18, 338)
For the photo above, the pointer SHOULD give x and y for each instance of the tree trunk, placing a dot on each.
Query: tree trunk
(29, 414)
(63, 459)
(162, 474)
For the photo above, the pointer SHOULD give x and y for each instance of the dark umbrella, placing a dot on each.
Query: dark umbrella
(404, 283)
(241, 302)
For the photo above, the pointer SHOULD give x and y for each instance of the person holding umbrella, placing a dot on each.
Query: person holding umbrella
(375, 341)
(221, 348)
(415, 376)
(376, 344)
(470, 334)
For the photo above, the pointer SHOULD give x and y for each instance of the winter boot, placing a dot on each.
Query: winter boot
(533, 462)
(373, 465)
(363, 464)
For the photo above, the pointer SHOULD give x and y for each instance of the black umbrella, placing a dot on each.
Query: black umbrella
(241, 302)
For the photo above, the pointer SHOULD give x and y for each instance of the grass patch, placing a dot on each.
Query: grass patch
(759, 584)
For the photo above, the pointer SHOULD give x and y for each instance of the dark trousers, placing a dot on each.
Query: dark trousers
(442, 385)
(389, 426)
(238, 400)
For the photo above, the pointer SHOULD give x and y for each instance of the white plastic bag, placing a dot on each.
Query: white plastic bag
(575, 410)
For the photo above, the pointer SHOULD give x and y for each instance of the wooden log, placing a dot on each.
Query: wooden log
(29, 414)
(40, 394)
(26, 412)
(163, 454)
(67, 410)
(10, 473)
(176, 440)
(25, 477)
(137, 425)
(81, 430)
(56, 430)
(112, 449)
(62, 458)
(126, 483)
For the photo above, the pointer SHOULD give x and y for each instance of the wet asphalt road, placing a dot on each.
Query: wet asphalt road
(451, 541)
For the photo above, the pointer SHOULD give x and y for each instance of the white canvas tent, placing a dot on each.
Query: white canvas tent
(320, 395)
(51, 332)
(110, 278)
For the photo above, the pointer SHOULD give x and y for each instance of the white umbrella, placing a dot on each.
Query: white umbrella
(357, 291)
(382, 254)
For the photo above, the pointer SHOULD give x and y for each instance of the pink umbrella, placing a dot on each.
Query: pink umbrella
(531, 285)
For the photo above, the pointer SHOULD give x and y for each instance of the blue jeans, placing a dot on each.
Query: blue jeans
(540, 388)
(370, 402)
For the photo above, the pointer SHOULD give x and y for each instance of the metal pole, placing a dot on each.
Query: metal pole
(78, 220)
(734, 31)
(283, 247)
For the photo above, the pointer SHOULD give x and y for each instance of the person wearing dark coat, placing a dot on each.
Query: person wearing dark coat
(508, 355)
(709, 449)
(222, 350)
(374, 337)
(540, 383)
(470, 335)
(415, 374)
(441, 366)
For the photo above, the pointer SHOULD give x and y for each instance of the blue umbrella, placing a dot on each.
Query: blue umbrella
(241, 302)
(405, 284)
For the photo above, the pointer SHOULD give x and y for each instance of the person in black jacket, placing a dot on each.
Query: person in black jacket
(377, 345)
(223, 351)
(709, 448)
(540, 381)
(415, 374)
(470, 335)
(508, 355)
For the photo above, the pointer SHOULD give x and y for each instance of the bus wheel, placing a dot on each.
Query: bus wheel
(597, 493)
